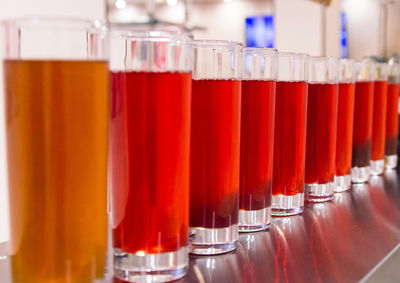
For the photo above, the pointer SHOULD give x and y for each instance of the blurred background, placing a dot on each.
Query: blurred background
(340, 28)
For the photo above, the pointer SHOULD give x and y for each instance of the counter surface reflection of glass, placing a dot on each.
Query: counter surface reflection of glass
(344, 140)
(392, 117)
(257, 138)
(379, 118)
(56, 97)
(290, 134)
(150, 132)
(215, 147)
(362, 130)
(321, 128)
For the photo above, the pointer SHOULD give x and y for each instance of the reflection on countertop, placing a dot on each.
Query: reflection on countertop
(337, 241)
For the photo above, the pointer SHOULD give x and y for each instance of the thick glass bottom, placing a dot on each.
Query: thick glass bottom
(390, 161)
(360, 174)
(142, 267)
(287, 205)
(318, 192)
(254, 220)
(213, 241)
(342, 183)
(377, 167)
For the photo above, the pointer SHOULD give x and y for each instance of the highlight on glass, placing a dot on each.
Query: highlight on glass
(379, 118)
(290, 134)
(392, 116)
(345, 120)
(321, 128)
(257, 138)
(215, 147)
(362, 130)
(150, 149)
(56, 104)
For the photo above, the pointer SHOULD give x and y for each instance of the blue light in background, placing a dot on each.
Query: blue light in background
(344, 49)
(260, 31)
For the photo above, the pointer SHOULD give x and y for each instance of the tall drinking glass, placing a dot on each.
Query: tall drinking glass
(321, 128)
(379, 118)
(56, 95)
(150, 146)
(257, 138)
(362, 130)
(290, 134)
(215, 146)
(392, 116)
(344, 140)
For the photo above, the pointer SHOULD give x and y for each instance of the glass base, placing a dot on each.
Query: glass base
(287, 205)
(360, 174)
(391, 161)
(342, 183)
(318, 192)
(142, 267)
(254, 220)
(377, 167)
(213, 241)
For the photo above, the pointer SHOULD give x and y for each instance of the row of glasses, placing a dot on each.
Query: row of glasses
(206, 139)
(375, 119)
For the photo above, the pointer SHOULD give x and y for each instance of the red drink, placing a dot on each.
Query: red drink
(290, 138)
(257, 140)
(215, 153)
(344, 128)
(150, 133)
(321, 133)
(379, 120)
(362, 132)
(392, 119)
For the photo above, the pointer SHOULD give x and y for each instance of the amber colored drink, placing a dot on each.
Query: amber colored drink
(379, 120)
(215, 153)
(290, 138)
(150, 131)
(321, 133)
(57, 122)
(392, 119)
(345, 120)
(362, 132)
(257, 142)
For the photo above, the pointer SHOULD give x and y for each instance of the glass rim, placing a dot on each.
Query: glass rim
(217, 43)
(347, 60)
(261, 50)
(293, 54)
(324, 58)
(56, 23)
(150, 35)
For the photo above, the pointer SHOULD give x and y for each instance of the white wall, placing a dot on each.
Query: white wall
(393, 42)
(298, 26)
(226, 20)
(362, 26)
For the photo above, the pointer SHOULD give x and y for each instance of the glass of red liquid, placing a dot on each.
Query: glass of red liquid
(344, 139)
(150, 150)
(362, 130)
(321, 128)
(392, 116)
(379, 118)
(215, 147)
(290, 134)
(257, 138)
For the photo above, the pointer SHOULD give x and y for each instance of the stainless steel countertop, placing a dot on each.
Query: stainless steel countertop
(338, 241)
